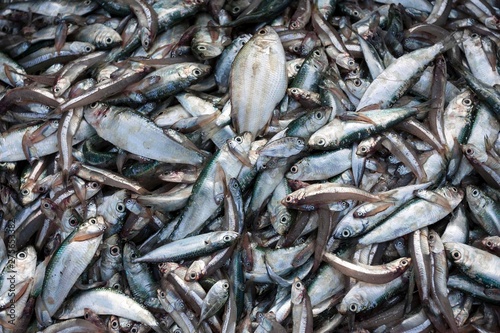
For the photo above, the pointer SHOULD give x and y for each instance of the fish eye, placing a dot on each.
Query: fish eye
(88, 49)
(94, 105)
(114, 324)
(284, 219)
(467, 101)
(454, 189)
(201, 48)
(296, 48)
(114, 250)
(456, 255)
(133, 330)
(353, 307)
(146, 42)
(41, 189)
(346, 233)
(469, 151)
(46, 205)
(196, 72)
(108, 40)
(21, 255)
(25, 192)
(92, 221)
(489, 243)
(117, 286)
(162, 294)
(293, 24)
(300, 141)
(351, 62)
(317, 53)
(225, 285)
(298, 285)
(294, 169)
(227, 238)
(475, 193)
(288, 199)
(94, 185)
(133, 255)
(364, 149)
(192, 276)
(72, 221)
(357, 82)
(262, 32)
(321, 142)
(120, 207)
(238, 139)
(236, 9)
(57, 89)
(404, 262)
(431, 237)
(474, 35)
(294, 91)
(297, 67)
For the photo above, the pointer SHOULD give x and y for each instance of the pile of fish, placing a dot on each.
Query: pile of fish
(249, 166)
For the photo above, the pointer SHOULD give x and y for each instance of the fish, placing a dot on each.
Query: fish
(264, 166)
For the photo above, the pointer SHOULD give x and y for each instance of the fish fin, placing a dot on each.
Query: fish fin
(387, 197)
(370, 107)
(452, 40)
(423, 109)
(276, 278)
(354, 116)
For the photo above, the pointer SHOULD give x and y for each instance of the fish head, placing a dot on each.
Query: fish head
(299, 291)
(474, 154)
(84, 7)
(147, 38)
(491, 242)
(91, 228)
(281, 222)
(266, 36)
(352, 303)
(344, 232)
(61, 86)
(344, 60)
(475, 196)
(295, 170)
(109, 39)
(95, 112)
(458, 253)
(205, 51)
(318, 118)
(82, 47)
(319, 141)
(195, 71)
(27, 193)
